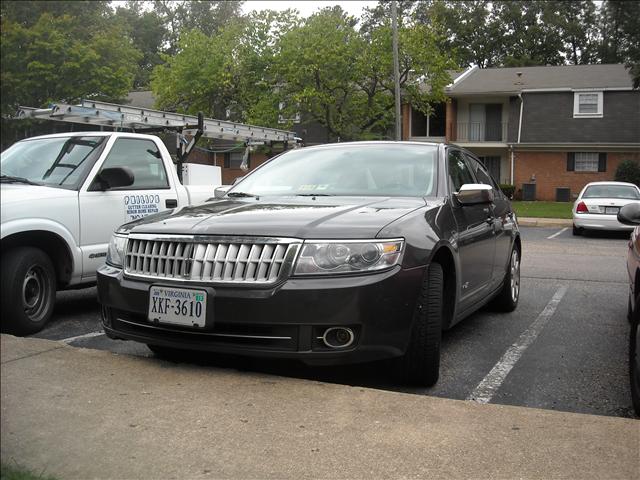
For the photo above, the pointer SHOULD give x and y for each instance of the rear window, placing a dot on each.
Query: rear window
(612, 191)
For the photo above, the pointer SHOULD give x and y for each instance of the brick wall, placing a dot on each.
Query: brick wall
(550, 170)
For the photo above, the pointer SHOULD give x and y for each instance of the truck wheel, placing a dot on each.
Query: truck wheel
(420, 365)
(507, 299)
(28, 290)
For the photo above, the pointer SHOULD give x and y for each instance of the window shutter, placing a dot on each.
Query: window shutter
(227, 160)
(571, 162)
(602, 162)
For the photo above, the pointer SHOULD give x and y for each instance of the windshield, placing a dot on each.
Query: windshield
(348, 169)
(58, 162)
(612, 191)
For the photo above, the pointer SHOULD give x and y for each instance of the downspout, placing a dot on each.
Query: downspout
(513, 158)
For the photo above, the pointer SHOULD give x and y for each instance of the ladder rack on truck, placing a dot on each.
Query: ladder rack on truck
(143, 120)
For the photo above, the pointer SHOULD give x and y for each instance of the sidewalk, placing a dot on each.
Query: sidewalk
(79, 414)
(544, 222)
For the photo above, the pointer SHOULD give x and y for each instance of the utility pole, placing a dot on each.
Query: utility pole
(396, 68)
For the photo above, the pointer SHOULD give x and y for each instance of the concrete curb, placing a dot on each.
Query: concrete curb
(76, 413)
(544, 222)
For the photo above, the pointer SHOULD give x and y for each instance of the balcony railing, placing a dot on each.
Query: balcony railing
(482, 131)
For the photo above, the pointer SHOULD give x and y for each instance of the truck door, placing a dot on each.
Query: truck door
(101, 212)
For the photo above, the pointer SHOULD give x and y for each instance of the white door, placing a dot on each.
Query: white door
(101, 212)
(476, 121)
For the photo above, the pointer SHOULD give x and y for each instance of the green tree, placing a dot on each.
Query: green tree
(148, 34)
(57, 60)
(620, 35)
(210, 17)
(628, 171)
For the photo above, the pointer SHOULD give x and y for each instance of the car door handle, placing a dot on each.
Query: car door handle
(171, 203)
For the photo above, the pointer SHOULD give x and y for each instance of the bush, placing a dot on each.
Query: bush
(628, 171)
(507, 189)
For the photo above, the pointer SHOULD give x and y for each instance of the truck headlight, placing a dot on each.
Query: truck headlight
(116, 250)
(346, 256)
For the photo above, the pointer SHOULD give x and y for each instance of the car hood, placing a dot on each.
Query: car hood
(306, 217)
(20, 193)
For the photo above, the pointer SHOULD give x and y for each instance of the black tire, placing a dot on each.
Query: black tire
(28, 290)
(577, 231)
(507, 299)
(634, 359)
(420, 364)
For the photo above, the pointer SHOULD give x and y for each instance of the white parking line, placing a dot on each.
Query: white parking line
(80, 337)
(558, 233)
(485, 391)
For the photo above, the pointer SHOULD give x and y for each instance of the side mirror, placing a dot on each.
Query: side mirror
(630, 214)
(114, 177)
(474, 194)
(220, 192)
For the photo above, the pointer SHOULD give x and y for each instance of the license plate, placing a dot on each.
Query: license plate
(178, 306)
(611, 210)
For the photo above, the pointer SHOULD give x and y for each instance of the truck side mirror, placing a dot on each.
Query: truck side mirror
(114, 177)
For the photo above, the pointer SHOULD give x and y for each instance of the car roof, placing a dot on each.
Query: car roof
(626, 184)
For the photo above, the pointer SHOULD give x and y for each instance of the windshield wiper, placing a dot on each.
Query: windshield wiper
(12, 179)
(240, 194)
(313, 195)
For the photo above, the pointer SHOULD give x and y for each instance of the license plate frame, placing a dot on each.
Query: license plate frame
(178, 306)
(611, 210)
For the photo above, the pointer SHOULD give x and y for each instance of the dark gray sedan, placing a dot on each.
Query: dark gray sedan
(339, 253)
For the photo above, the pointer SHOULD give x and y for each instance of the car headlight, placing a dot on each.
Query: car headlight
(116, 250)
(342, 257)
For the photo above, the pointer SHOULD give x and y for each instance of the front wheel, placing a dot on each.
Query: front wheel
(507, 299)
(420, 365)
(28, 290)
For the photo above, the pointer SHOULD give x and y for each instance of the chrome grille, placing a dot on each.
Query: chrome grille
(208, 259)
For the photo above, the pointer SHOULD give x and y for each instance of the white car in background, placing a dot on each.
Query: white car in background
(598, 204)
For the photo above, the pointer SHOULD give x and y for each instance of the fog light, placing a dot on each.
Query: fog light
(338, 337)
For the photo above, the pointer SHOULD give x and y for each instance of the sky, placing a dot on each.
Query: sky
(307, 8)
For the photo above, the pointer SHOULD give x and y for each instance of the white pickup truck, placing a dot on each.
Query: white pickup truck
(62, 196)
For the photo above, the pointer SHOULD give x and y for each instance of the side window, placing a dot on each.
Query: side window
(481, 173)
(143, 158)
(459, 173)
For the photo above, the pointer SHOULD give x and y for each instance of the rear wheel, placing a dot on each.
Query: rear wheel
(576, 231)
(507, 299)
(28, 290)
(420, 365)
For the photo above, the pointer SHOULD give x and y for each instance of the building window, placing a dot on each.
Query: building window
(587, 105)
(587, 162)
(233, 159)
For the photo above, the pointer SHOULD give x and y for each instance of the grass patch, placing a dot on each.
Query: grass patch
(14, 472)
(543, 209)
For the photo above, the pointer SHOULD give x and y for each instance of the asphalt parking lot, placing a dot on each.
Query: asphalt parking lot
(564, 348)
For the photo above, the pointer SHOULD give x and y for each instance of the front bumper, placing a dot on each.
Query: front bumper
(597, 221)
(283, 321)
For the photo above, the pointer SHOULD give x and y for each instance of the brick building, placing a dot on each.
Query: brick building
(546, 130)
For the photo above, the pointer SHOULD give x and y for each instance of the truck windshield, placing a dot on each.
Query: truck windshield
(384, 169)
(54, 162)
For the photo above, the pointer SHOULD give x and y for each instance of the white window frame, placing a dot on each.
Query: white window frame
(576, 104)
(580, 158)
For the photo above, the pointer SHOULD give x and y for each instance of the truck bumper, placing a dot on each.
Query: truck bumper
(287, 321)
